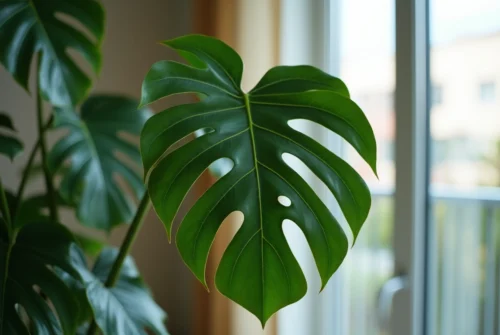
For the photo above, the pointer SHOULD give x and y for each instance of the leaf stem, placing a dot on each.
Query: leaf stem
(26, 172)
(4, 283)
(134, 228)
(11, 240)
(5, 209)
(43, 150)
(27, 169)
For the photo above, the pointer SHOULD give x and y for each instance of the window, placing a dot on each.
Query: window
(436, 221)
(487, 92)
(436, 95)
(463, 289)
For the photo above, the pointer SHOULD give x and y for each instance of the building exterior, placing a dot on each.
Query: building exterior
(465, 112)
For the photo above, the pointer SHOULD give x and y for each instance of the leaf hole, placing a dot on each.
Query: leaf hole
(312, 129)
(129, 187)
(74, 23)
(221, 167)
(225, 234)
(335, 143)
(83, 63)
(21, 312)
(203, 183)
(284, 201)
(74, 53)
(186, 139)
(321, 190)
(303, 254)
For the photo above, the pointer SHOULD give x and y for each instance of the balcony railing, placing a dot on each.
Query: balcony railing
(463, 263)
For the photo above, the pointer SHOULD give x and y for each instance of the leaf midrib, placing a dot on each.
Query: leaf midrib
(117, 301)
(87, 134)
(50, 44)
(259, 191)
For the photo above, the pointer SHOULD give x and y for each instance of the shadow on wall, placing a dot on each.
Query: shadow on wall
(133, 30)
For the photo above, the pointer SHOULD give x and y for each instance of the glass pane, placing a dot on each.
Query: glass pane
(463, 278)
(367, 66)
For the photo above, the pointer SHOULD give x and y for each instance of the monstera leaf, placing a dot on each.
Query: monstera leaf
(9, 145)
(31, 26)
(29, 250)
(127, 307)
(257, 270)
(98, 151)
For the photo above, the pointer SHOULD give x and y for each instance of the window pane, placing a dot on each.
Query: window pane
(487, 92)
(367, 66)
(463, 294)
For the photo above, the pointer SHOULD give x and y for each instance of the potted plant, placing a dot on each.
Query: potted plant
(47, 285)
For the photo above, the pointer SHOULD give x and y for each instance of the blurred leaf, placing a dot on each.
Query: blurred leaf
(258, 269)
(36, 208)
(28, 252)
(9, 146)
(127, 307)
(28, 27)
(90, 246)
(77, 287)
(91, 147)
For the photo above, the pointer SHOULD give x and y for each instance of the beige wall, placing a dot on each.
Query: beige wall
(130, 48)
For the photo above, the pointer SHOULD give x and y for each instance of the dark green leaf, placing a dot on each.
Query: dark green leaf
(9, 145)
(127, 307)
(77, 286)
(27, 254)
(35, 209)
(92, 147)
(31, 26)
(257, 270)
(90, 246)
(6, 122)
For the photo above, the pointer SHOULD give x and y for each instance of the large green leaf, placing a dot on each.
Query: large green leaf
(28, 252)
(31, 26)
(127, 307)
(257, 270)
(9, 146)
(98, 152)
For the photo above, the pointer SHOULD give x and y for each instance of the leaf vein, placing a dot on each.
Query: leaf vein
(314, 154)
(165, 194)
(211, 210)
(240, 253)
(282, 263)
(189, 117)
(307, 204)
(316, 108)
(198, 81)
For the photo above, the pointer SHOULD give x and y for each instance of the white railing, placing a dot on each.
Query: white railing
(463, 262)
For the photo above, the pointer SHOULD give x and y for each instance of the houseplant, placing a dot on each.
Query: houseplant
(47, 287)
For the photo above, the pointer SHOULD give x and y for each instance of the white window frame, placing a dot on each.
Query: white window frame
(310, 34)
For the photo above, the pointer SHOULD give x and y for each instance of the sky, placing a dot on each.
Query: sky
(367, 26)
